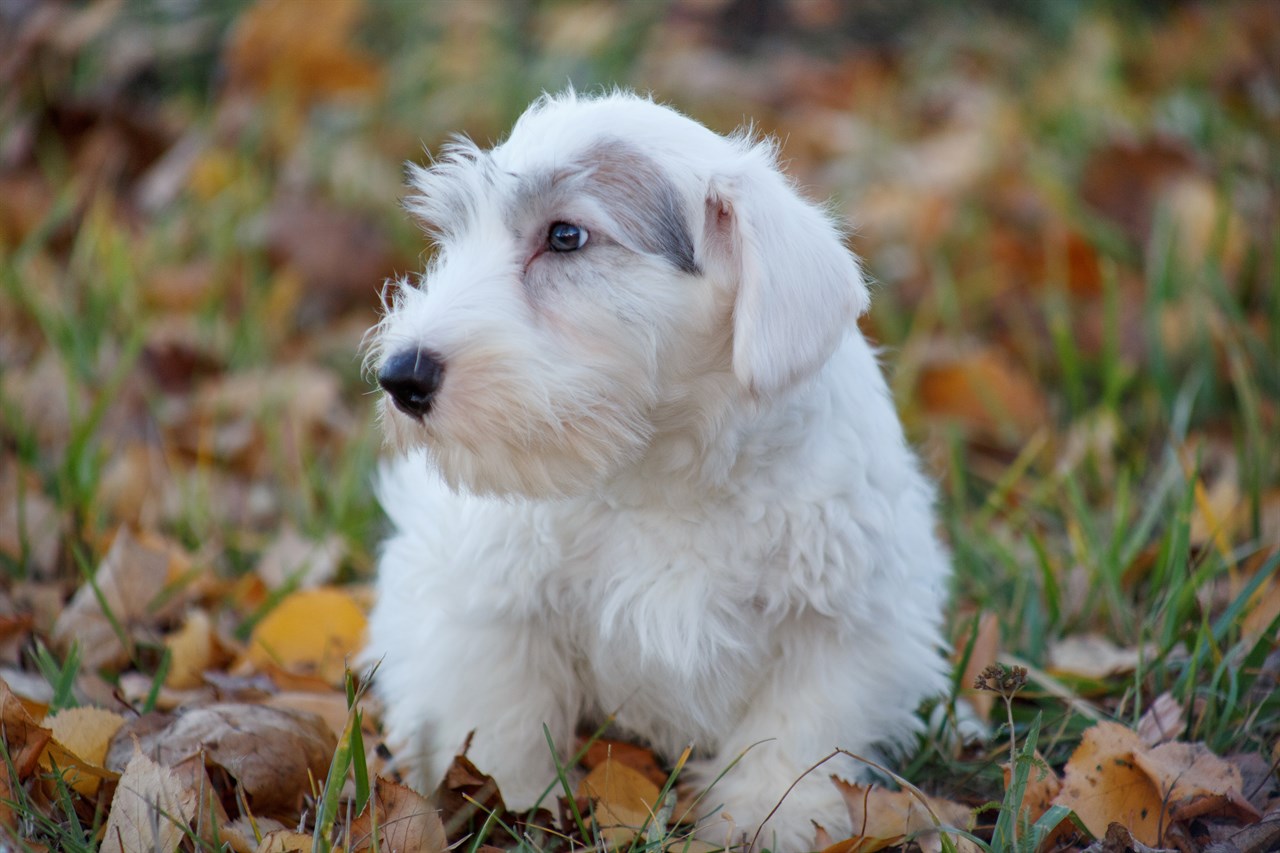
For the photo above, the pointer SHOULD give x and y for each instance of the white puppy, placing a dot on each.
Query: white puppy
(651, 468)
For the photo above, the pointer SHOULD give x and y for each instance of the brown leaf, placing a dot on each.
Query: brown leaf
(24, 739)
(984, 391)
(1193, 782)
(285, 841)
(149, 810)
(882, 818)
(1102, 784)
(1124, 178)
(624, 800)
(338, 256)
(985, 648)
(133, 579)
(402, 818)
(1043, 786)
(299, 49)
(464, 792)
(293, 560)
(274, 753)
(1163, 720)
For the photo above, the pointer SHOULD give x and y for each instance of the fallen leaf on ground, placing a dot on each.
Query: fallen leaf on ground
(288, 841)
(304, 563)
(312, 631)
(1193, 782)
(985, 648)
(403, 820)
(1093, 656)
(273, 753)
(1043, 786)
(149, 811)
(81, 737)
(1163, 720)
(624, 800)
(882, 818)
(131, 580)
(192, 649)
(24, 738)
(1102, 784)
(985, 391)
(464, 792)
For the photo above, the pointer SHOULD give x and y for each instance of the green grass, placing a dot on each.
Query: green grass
(1102, 542)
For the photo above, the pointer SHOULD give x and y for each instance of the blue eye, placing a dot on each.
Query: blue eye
(566, 237)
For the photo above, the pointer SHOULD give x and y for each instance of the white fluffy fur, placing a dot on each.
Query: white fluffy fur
(678, 494)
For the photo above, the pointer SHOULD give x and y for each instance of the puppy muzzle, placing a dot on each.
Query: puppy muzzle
(412, 378)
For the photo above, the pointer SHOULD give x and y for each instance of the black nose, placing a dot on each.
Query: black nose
(412, 378)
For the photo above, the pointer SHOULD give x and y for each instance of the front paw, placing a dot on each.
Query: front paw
(754, 811)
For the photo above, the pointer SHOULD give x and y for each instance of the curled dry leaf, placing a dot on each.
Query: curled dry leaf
(81, 737)
(882, 818)
(150, 809)
(1163, 720)
(1194, 782)
(624, 800)
(132, 579)
(24, 739)
(1102, 784)
(400, 819)
(272, 752)
(312, 631)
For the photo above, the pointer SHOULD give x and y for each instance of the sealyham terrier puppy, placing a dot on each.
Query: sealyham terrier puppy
(650, 469)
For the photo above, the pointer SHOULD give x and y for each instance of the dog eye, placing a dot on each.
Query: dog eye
(566, 237)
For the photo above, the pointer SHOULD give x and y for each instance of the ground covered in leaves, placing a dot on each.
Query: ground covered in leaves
(1072, 216)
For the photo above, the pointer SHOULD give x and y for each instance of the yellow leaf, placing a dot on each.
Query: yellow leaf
(192, 650)
(312, 630)
(624, 800)
(81, 737)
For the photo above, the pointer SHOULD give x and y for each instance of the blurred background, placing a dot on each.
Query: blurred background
(1069, 210)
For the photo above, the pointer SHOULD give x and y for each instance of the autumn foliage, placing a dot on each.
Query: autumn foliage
(1071, 217)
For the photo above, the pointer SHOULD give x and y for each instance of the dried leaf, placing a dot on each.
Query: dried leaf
(985, 648)
(286, 841)
(1163, 720)
(882, 818)
(273, 753)
(81, 737)
(24, 739)
(310, 631)
(132, 579)
(1043, 786)
(305, 563)
(1102, 784)
(1093, 656)
(192, 649)
(624, 800)
(149, 810)
(402, 818)
(303, 49)
(983, 390)
(1193, 782)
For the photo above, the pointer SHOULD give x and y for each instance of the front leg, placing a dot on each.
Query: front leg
(445, 674)
(823, 690)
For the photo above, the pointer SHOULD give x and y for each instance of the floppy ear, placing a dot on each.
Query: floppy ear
(799, 288)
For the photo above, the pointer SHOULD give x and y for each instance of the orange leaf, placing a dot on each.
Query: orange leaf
(1103, 785)
(312, 631)
(624, 800)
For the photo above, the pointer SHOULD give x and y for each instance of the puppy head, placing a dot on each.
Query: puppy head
(595, 274)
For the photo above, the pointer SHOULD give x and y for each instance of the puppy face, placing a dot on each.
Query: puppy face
(595, 276)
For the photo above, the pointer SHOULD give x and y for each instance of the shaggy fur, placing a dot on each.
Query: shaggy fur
(662, 475)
